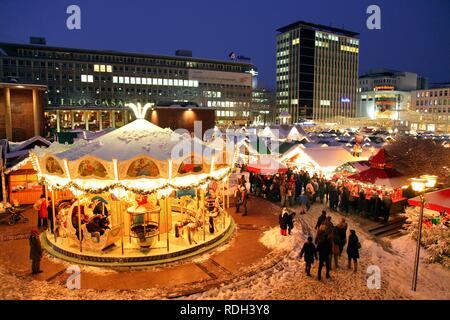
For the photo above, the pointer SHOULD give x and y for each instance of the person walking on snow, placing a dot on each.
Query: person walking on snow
(321, 219)
(35, 251)
(310, 252)
(283, 221)
(353, 250)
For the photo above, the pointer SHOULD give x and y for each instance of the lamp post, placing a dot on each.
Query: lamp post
(420, 185)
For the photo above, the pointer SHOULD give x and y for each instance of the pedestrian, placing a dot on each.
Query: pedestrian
(387, 203)
(335, 246)
(50, 214)
(321, 190)
(310, 252)
(290, 221)
(321, 219)
(283, 221)
(342, 226)
(43, 214)
(37, 208)
(35, 251)
(283, 193)
(353, 250)
(241, 199)
(324, 249)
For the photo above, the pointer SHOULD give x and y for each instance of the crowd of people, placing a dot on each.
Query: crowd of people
(300, 188)
(328, 245)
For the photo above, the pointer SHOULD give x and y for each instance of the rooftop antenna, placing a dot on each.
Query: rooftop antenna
(139, 110)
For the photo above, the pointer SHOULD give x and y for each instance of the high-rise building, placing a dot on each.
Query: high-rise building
(88, 89)
(317, 71)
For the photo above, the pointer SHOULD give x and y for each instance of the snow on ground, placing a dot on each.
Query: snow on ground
(288, 280)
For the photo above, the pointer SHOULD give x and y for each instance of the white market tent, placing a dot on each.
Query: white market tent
(318, 159)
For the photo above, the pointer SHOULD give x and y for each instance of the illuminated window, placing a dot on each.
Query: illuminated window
(102, 68)
(175, 82)
(144, 80)
(127, 79)
(90, 78)
(114, 79)
(133, 80)
(165, 83)
(295, 41)
(120, 79)
(170, 82)
(83, 78)
(185, 83)
(96, 68)
(108, 68)
(160, 82)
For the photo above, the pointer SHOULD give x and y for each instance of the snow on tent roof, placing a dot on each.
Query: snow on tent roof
(136, 138)
(330, 156)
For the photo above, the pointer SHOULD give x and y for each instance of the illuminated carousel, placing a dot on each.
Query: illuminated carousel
(138, 195)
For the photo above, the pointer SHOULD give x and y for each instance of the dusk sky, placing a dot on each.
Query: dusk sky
(414, 35)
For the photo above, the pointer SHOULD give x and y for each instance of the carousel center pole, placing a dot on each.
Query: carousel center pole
(80, 236)
(54, 213)
(166, 211)
(223, 203)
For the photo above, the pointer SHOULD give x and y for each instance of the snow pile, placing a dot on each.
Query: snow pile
(435, 238)
(273, 239)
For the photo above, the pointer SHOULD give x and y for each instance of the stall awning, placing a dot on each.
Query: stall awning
(436, 200)
(387, 177)
(266, 165)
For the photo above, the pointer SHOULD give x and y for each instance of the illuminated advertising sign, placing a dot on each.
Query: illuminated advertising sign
(345, 100)
(384, 88)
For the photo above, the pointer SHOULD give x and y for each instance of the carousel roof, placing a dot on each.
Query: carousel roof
(136, 138)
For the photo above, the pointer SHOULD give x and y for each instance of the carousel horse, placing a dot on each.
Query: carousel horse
(192, 223)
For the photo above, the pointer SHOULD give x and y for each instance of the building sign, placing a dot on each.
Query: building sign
(384, 88)
(233, 56)
(345, 100)
(83, 102)
(221, 77)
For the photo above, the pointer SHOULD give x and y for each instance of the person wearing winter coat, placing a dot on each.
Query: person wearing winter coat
(37, 208)
(321, 219)
(43, 213)
(309, 251)
(321, 191)
(335, 246)
(353, 250)
(334, 197)
(387, 203)
(342, 228)
(283, 221)
(324, 249)
(290, 221)
(35, 251)
(243, 200)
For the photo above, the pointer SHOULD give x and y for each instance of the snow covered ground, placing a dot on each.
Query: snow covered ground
(287, 279)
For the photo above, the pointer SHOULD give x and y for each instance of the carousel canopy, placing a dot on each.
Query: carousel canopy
(138, 157)
(436, 200)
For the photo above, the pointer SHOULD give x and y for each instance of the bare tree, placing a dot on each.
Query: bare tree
(414, 156)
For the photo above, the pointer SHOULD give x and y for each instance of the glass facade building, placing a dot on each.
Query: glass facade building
(88, 89)
(316, 72)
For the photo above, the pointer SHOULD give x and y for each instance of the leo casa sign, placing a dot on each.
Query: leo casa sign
(92, 102)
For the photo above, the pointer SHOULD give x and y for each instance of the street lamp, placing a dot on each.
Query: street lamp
(420, 185)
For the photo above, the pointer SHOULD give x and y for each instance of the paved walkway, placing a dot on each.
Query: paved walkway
(227, 262)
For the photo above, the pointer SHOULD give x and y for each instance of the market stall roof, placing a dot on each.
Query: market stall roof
(266, 165)
(380, 174)
(436, 200)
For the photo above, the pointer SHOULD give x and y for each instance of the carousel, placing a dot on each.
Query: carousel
(138, 195)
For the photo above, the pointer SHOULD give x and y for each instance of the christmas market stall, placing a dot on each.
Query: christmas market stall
(380, 180)
(142, 195)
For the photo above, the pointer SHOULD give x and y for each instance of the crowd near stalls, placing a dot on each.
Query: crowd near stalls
(138, 193)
